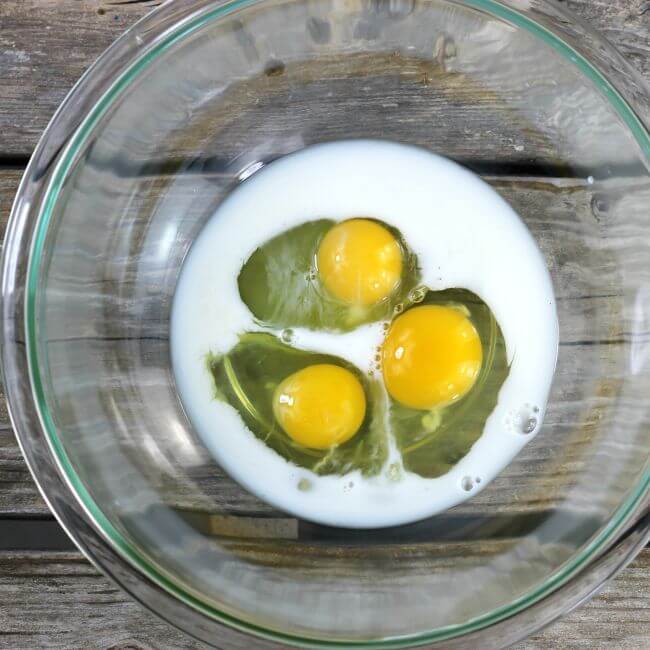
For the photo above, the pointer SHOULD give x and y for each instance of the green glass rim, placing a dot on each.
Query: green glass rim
(135, 556)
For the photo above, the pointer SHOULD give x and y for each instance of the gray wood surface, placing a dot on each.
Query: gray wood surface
(40, 60)
(57, 600)
(581, 338)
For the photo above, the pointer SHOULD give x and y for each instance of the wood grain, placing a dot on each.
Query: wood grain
(596, 335)
(40, 59)
(39, 62)
(18, 493)
(9, 180)
(619, 617)
(625, 23)
(58, 601)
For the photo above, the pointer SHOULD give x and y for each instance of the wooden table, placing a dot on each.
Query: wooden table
(50, 596)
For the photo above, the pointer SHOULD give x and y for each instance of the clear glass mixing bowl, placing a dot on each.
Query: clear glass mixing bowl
(190, 102)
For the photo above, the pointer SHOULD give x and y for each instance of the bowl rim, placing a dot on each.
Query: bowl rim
(138, 47)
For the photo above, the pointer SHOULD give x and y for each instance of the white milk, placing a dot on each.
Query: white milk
(464, 235)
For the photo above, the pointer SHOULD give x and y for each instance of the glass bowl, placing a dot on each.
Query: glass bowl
(189, 103)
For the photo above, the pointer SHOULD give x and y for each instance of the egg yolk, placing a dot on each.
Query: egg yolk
(359, 262)
(320, 406)
(431, 357)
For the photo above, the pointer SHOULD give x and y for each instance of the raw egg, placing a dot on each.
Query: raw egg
(431, 357)
(320, 406)
(360, 262)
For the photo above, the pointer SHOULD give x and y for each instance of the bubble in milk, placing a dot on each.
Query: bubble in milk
(467, 483)
(304, 485)
(529, 425)
(418, 294)
(394, 472)
(524, 420)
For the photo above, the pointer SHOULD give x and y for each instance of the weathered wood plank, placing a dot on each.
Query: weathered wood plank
(619, 617)
(590, 315)
(536, 481)
(9, 180)
(39, 62)
(45, 46)
(19, 493)
(510, 494)
(58, 601)
(596, 333)
(625, 23)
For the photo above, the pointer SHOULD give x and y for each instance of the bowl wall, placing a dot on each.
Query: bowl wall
(234, 88)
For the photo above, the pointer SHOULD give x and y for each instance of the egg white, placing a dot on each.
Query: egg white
(464, 235)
